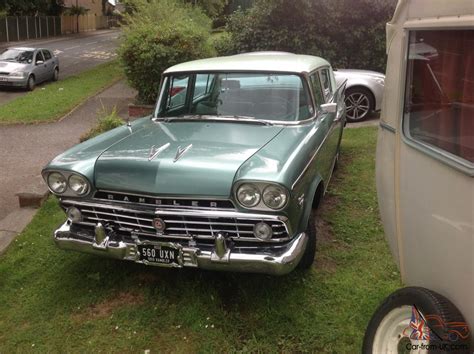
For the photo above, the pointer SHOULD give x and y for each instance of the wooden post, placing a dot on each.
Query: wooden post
(27, 29)
(17, 29)
(6, 27)
(47, 27)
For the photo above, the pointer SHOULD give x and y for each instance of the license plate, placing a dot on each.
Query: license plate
(159, 254)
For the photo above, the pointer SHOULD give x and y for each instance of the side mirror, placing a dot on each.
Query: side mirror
(39, 62)
(329, 107)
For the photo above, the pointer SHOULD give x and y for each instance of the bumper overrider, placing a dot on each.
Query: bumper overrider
(221, 255)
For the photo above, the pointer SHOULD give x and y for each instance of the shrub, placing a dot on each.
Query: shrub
(222, 42)
(107, 121)
(159, 34)
(349, 34)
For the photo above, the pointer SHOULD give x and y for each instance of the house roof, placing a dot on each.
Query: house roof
(256, 61)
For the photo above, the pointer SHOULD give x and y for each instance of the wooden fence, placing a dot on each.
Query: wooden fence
(20, 28)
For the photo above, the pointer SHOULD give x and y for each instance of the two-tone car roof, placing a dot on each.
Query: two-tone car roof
(258, 61)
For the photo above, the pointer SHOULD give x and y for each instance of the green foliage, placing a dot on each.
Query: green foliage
(349, 34)
(159, 34)
(31, 7)
(222, 42)
(76, 11)
(212, 8)
(107, 121)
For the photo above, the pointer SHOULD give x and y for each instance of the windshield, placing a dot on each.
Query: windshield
(16, 55)
(265, 96)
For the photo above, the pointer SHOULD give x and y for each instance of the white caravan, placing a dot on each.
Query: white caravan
(425, 179)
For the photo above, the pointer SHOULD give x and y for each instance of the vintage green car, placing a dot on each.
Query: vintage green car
(224, 175)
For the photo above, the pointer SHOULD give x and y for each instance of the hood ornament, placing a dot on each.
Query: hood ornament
(181, 151)
(154, 151)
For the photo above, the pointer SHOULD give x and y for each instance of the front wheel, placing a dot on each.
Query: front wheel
(416, 320)
(310, 252)
(55, 75)
(31, 83)
(359, 103)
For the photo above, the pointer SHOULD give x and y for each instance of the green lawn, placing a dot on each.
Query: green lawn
(51, 101)
(52, 300)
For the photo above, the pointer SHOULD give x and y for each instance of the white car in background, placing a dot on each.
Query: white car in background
(364, 92)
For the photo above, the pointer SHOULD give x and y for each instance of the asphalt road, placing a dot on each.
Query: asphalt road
(76, 53)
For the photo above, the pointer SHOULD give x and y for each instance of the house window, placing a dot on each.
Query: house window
(439, 94)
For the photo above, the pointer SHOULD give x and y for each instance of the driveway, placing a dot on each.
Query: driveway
(76, 53)
(25, 149)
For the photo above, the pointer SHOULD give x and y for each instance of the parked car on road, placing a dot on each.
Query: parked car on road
(364, 92)
(26, 67)
(224, 175)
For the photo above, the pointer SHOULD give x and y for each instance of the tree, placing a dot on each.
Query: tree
(31, 7)
(77, 11)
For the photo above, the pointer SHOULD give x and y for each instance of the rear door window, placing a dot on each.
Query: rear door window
(439, 93)
(47, 55)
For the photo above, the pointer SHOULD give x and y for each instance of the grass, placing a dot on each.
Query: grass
(51, 102)
(106, 121)
(52, 300)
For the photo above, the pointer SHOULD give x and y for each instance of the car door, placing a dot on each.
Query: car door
(40, 67)
(48, 64)
(325, 157)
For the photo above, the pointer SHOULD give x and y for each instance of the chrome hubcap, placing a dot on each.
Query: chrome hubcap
(393, 334)
(357, 106)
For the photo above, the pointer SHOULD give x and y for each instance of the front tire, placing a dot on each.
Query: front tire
(359, 104)
(55, 75)
(310, 252)
(31, 83)
(398, 324)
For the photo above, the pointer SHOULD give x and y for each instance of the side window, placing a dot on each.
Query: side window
(203, 85)
(439, 92)
(47, 55)
(178, 90)
(317, 89)
(39, 57)
(326, 82)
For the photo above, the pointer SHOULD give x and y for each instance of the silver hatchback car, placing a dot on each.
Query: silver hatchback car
(26, 67)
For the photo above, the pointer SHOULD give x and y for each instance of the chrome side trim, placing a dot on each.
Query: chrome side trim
(387, 127)
(308, 165)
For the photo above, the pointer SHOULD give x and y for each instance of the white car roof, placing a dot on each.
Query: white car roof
(257, 61)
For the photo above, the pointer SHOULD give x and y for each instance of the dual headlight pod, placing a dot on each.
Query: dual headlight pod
(273, 196)
(58, 183)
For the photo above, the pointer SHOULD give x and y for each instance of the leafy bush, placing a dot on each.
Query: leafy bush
(222, 42)
(349, 34)
(159, 34)
(107, 121)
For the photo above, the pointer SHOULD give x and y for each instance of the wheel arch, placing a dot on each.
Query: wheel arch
(313, 196)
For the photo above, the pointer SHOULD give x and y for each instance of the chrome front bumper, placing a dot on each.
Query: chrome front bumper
(255, 260)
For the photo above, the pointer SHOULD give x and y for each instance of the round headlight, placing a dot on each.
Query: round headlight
(262, 231)
(248, 195)
(274, 197)
(78, 184)
(57, 182)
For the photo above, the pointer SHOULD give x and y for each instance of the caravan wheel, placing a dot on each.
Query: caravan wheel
(416, 320)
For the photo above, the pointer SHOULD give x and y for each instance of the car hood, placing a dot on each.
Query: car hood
(7, 66)
(207, 168)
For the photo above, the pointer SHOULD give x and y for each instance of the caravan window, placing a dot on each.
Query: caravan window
(439, 102)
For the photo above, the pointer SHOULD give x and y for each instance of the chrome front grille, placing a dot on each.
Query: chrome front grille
(182, 224)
